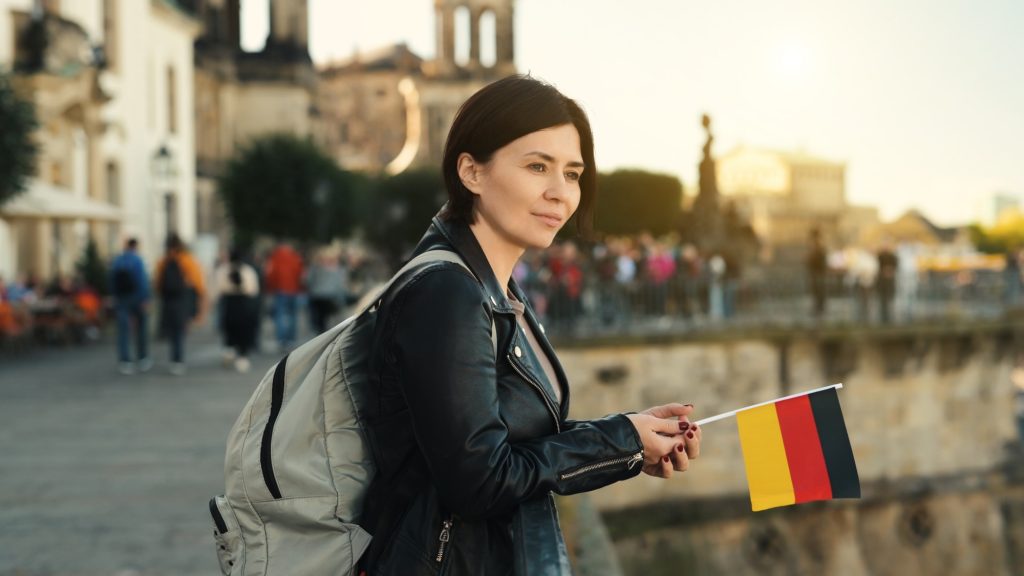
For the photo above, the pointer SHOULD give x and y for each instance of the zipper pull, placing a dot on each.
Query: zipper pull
(634, 460)
(446, 536)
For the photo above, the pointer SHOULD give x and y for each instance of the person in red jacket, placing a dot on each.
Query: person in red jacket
(283, 274)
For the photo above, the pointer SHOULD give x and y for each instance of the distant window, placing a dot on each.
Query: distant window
(487, 32)
(113, 184)
(110, 46)
(172, 102)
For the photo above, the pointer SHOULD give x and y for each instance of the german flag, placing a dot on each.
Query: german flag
(797, 450)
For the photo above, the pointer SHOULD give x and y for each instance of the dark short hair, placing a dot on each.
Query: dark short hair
(132, 243)
(501, 112)
(174, 242)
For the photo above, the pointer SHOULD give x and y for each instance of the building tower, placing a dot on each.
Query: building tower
(445, 64)
(289, 25)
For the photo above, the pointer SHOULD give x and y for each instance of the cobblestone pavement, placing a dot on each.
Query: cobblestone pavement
(106, 474)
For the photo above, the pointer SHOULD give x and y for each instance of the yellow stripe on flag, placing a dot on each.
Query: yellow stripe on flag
(764, 455)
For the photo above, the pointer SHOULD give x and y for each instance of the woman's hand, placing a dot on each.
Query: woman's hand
(687, 440)
(660, 439)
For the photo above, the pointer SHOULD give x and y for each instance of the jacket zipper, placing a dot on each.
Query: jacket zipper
(629, 461)
(540, 390)
(444, 539)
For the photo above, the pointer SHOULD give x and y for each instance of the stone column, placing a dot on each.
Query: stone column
(474, 38)
(504, 44)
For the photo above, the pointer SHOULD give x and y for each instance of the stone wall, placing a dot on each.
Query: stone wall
(931, 417)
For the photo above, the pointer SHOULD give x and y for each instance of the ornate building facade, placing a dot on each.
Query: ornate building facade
(787, 194)
(111, 83)
(243, 95)
(390, 110)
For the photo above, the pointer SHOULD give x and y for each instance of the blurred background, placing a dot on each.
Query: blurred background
(791, 194)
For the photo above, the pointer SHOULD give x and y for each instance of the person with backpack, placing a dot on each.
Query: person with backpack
(469, 430)
(427, 433)
(238, 285)
(129, 287)
(180, 285)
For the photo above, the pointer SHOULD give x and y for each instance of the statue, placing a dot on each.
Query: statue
(707, 218)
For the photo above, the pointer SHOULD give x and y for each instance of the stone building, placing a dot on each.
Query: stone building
(391, 109)
(111, 81)
(786, 194)
(242, 95)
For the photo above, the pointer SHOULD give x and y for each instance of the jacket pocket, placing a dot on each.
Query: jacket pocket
(226, 534)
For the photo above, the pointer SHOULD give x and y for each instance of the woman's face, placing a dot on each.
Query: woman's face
(530, 187)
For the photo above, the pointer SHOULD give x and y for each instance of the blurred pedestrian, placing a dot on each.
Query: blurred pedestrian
(182, 291)
(238, 285)
(1011, 276)
(327, 284)
(283, 274)
(129, 287)
(862, 270)
(888, 264)
(817, 272)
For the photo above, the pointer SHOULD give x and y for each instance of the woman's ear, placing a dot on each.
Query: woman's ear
(469, 172)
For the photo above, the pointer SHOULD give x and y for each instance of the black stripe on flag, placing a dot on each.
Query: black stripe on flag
(835, 444)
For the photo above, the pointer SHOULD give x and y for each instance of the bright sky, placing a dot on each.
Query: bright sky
(923, 99)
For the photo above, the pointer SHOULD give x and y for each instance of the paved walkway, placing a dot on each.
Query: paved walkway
(105, 474)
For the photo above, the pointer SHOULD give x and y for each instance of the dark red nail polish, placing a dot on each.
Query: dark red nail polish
(664, 459)
(688, 405)
(689, 435)
(679, 448)
(684, 425)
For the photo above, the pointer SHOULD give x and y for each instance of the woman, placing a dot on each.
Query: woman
(469, 427)
(238, 286)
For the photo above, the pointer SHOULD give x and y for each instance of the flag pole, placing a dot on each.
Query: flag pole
(725, 415)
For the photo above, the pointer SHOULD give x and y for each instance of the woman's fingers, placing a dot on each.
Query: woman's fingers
(673, 410)
(691, 440)
(680, 459)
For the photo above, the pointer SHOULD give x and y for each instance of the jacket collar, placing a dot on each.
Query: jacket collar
(456, 235)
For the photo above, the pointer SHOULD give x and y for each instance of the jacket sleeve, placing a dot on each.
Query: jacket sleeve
(446, 370)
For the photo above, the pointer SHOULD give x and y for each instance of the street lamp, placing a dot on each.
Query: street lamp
(165, 171)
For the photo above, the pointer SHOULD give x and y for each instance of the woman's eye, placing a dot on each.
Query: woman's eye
(536, 167)
(573, 176)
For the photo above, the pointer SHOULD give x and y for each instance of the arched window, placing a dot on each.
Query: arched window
(462, 35)
(488, 31)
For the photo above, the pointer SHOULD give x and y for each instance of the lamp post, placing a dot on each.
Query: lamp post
(165, 172)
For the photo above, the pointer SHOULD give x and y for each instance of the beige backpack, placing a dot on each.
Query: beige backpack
(297, 466)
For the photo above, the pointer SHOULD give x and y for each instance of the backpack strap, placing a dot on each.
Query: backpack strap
(424, 258)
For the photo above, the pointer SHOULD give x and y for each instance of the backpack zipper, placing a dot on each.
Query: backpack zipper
(444, 539)
(540, 390)
(276, 400)
(222, 526)
(629, 461)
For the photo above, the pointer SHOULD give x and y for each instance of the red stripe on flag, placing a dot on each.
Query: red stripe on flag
(803, 450)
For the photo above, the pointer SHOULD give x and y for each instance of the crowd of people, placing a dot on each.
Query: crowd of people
(613, 283)
(66, 309)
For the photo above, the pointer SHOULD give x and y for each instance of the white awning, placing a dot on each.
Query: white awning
(44, 200)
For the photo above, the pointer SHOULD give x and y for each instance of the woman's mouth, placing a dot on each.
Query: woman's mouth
(550, 220)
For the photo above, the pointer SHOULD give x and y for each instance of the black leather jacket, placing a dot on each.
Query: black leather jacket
(469, 447)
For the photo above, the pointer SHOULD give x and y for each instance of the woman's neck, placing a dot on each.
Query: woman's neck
(501, 255)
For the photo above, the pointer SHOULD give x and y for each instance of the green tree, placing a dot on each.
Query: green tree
(17, 149)
(399, 209)
(635, 201)
(1005, 235)
(92, 268)
(284, 186)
